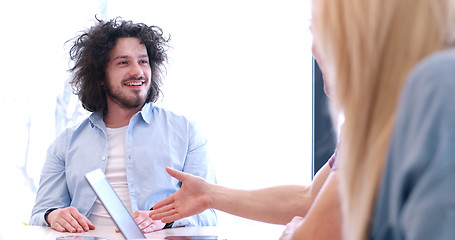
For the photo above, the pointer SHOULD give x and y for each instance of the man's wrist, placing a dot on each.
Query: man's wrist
(47, 213)
(167, 225)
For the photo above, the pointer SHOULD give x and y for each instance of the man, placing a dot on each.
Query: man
(117, 77)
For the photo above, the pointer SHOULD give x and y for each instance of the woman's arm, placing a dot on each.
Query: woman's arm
(323, 220)
(274, 204)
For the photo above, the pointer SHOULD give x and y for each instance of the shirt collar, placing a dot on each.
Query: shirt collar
(96, 118)
(146, 112)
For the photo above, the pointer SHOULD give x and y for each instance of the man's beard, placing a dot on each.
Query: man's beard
(125, 100)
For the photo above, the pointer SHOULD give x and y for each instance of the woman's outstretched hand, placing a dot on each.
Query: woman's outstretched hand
(192, 198)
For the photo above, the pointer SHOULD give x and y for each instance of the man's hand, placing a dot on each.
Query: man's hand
(192, 198)
(69, 219)
(145, 223)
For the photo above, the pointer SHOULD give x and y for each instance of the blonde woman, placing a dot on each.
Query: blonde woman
(369, 49)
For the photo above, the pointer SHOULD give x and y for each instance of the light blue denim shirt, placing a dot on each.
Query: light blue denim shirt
(155, 138)
(416, 199)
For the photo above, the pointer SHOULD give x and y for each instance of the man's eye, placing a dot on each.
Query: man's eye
(144, 61)
(123, 63)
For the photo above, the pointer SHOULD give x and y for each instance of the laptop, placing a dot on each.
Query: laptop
(114, 206)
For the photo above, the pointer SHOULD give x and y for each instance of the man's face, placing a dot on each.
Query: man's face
(128, 74)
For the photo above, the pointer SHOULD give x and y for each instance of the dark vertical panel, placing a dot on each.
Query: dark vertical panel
(324, 139)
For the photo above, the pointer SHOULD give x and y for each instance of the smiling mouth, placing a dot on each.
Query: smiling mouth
(134, 83)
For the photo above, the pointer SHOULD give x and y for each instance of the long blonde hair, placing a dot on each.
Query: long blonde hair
(367, 48)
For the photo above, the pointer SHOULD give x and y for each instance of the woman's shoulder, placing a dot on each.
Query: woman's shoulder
(426, 103)
(436, 69)
(432, 80)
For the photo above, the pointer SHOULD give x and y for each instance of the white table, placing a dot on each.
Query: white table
(236, 233)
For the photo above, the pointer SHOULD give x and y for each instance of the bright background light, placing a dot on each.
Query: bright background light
(241, 69)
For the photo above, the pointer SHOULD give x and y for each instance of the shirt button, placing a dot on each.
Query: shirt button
(103, 158)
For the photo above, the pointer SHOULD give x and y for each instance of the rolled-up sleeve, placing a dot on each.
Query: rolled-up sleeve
(52, 191)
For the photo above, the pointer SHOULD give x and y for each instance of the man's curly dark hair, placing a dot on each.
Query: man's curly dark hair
(90, 53)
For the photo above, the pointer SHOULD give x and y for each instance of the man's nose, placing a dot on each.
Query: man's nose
(136, 70)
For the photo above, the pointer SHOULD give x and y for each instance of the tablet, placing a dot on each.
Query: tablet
(114, 206)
